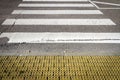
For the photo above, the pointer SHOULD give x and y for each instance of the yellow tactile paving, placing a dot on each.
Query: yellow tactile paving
(60, 68)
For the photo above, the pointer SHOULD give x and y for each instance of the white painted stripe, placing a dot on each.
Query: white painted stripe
(54, 5)
(106, 3)
(57, 12)
(62, 37)
(58, 0)
(94, 4)
(108, 8)
(58, 22)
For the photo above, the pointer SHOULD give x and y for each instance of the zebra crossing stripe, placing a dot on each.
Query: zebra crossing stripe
(58, 22)
(59, 0)
(61, 37)
(57, 12)
(55, 5)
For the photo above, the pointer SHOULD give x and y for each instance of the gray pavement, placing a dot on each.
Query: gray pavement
(7, 6)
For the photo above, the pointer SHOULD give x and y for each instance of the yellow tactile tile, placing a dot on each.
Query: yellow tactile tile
(60, 68)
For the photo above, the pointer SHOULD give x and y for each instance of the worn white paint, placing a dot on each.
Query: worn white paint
(61, 37)
(57, 12)
(55, 5)
(58, 22)
(59, 0)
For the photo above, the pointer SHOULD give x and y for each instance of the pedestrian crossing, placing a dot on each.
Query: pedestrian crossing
(58, 22)
(58, 37)
(64, 31)
(63, 37)
(56, 12)
(54, 5)
(59, 0)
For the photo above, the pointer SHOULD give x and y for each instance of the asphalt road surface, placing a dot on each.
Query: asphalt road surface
(59, 27)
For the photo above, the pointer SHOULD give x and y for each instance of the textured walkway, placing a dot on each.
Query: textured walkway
(60, 68)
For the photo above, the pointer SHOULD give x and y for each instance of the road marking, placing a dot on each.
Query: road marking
(57, 12)
(59, 0)
(61, 37)
(108, 8)
(106, 3)
(54, 5)
(58, 22)
(94, 4)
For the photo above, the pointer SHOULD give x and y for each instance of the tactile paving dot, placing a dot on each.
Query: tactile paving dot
(60, 68)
